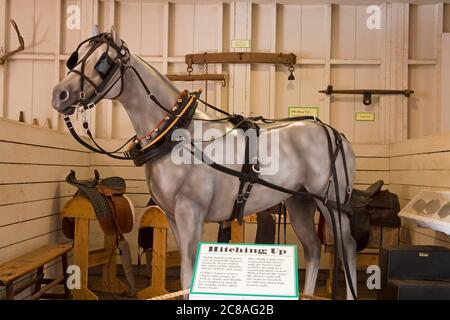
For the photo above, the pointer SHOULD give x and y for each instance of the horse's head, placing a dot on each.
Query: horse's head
(95, 72)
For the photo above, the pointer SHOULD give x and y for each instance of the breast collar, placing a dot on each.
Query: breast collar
(159, 140)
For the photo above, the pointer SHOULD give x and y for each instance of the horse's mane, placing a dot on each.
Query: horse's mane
(159, 74)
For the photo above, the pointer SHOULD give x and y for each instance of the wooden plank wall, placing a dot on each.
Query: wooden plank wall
(33, 165)
(331, 41)
(415, 165)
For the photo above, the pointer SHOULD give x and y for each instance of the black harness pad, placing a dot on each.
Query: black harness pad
(72, 61)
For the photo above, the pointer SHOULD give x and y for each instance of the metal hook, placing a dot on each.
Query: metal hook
(291, 70)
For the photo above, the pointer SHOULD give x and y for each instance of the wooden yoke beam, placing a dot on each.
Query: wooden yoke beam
(241, 57)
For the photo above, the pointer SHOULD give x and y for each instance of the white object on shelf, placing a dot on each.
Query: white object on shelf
(430, 209)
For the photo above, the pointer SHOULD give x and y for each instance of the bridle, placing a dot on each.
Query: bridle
(106, 67)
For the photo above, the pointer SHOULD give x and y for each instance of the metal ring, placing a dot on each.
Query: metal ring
(254, 169)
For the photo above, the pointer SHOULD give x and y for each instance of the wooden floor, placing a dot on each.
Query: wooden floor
(173, 284)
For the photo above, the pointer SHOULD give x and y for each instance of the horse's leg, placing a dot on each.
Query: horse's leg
(301, 214)
(349, 245)
(173, 227)
(188, 216)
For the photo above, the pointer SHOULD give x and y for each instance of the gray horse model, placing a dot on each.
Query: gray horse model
(192, 193)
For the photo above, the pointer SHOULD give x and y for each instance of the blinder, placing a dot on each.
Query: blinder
(104, 65)
(72, 61)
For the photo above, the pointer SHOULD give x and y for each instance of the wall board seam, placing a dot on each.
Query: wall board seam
(38, 200)
(32, 238)
(28, 220)
(44, 146)
(424, 234)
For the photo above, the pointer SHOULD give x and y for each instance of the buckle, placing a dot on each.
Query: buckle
(82, 95)
(240, 199)
(68, 123)
(246, 195)
(90, 105)
(349, 190)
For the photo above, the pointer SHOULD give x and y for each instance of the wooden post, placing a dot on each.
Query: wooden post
(39, 277)
(81, 256)
(82, 211)
(330, 273)
(109, 281)
(154, 217)
(237, 232)
(65, 265)
(10, 291)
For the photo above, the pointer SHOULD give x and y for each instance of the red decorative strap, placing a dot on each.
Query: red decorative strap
(166, 117)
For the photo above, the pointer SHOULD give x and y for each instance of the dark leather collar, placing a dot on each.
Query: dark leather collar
(142, 155)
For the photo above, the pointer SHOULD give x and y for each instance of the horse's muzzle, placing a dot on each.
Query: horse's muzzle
(61, 101)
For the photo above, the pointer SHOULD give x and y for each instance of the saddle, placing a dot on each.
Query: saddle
(111, 207)
(372, 206)
(361, 198)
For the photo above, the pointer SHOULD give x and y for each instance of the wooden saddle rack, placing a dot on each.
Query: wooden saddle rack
(112, 209)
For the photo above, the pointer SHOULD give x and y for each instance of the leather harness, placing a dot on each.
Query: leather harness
(181, 115)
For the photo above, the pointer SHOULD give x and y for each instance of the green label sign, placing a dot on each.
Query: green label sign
(365, 116)
(303, 111)
(240, 43)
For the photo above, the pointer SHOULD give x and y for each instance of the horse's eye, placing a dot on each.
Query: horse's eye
(104, 65)
(72, 61)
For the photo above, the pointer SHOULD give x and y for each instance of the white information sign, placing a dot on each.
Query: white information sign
(245, 271)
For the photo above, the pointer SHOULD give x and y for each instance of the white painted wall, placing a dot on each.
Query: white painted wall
(332, 43)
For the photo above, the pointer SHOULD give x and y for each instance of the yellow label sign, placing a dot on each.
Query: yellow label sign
(365, 116)
(240, 43)
(303, 111)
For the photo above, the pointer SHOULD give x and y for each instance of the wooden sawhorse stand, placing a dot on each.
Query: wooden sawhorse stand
(154, 217)
(81, 210)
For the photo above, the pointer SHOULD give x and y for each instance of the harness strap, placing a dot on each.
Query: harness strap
(87, 145)
(85, 78)
(338, 208)
(205, 159)
(249, 176)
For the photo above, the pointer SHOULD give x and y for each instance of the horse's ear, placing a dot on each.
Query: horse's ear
(115, 37)
(95, 30)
